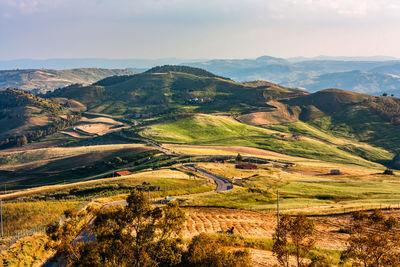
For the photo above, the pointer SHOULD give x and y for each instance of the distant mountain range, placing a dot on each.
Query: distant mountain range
(373, 75)
(42, 80)
(364, 76)
(73, 63)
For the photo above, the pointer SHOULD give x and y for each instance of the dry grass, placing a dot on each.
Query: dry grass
(38, 157)
(231, 150)
(173, 182)
(279, 115)
(18, 216)
(28, 251)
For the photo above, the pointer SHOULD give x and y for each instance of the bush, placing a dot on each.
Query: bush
(388, 172)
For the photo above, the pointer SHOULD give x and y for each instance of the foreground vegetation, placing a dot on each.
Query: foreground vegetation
(148, 236)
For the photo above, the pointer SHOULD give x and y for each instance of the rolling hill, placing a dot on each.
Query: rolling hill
(171, 89)
(25, 117)
(188, 105)
(42, 80)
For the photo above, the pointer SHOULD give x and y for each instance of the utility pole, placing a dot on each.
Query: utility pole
(1, 216)
(277, 210)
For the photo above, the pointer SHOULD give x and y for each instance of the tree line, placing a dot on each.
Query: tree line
(387, 108)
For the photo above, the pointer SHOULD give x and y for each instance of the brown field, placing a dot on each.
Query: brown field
(262, 225)
(94, 126)
(280, 115)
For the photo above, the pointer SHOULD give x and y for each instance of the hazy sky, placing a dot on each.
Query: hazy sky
(198, 28)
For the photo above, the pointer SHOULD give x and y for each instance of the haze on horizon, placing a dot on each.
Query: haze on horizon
(42, 29)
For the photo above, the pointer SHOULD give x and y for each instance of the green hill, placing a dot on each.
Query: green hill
(171, 89)
(201, 129)
(366, 118)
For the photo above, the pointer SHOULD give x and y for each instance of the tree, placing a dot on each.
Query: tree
(388, 172)
(384, 94)
(300, 231)
(22, 140)
(135, 235)
(239, 158)
(374, 240)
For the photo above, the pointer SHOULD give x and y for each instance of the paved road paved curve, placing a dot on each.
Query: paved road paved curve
(222, 183)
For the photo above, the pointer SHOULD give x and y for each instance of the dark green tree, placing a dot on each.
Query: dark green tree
(135, 235)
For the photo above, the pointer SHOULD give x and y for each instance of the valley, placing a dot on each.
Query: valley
(328, 153)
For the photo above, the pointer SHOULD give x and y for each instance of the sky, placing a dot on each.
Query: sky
(188, 29)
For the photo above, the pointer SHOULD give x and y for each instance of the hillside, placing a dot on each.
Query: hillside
(25, 117)
(301, 140)
(42, 80)
(363, 117)
(172, 89)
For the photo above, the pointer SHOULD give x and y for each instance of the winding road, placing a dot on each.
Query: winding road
(221, 183)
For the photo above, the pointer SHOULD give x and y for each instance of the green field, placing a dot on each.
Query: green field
(216, 130)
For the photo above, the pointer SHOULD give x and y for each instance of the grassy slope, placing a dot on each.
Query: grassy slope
(363, 150)
(213, 130)
(21, 111)
(358, 116)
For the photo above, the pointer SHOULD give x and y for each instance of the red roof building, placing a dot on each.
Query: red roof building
(122, 173)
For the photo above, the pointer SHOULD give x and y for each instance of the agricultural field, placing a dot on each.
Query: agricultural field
(162, 182)
(94, 125)
(307, 187)
(47, 166)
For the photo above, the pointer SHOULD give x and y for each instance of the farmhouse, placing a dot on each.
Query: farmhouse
(246, 166)
(122, 173)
